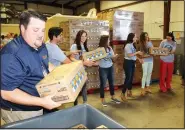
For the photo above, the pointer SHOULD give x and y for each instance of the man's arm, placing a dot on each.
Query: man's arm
(51, 67)
(20, 97)
(66, 61)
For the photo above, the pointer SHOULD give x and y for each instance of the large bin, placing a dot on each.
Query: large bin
(68, 118)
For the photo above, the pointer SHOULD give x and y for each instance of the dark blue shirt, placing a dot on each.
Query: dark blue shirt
(22, 67)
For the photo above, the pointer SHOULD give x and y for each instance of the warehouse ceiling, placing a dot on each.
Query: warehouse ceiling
(69, 4)
(12, 8)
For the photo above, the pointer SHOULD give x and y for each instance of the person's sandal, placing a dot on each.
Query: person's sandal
(143, 92)
(129, 93)
(123, 97)
(148, 90)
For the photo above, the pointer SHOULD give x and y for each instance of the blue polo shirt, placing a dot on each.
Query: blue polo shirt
(22, 67)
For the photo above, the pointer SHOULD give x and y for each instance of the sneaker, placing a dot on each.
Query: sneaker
(104, 104)
(116, 100)
(170, 89)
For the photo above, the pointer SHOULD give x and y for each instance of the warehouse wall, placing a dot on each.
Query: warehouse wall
(177, 16)
(110, 4)
(152, 17)
(6, 28)
(85, 8)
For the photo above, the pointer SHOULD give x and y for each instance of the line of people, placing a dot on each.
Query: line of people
(26, 60)
(130, 56)
(57, 57)
(166, 63)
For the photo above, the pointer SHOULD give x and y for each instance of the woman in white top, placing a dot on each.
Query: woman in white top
(80, 43)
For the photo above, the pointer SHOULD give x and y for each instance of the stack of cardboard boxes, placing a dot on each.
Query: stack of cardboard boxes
(94, 29)
(119, 75)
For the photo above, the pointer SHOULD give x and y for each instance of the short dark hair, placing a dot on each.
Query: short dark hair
(2, 36)
(54, 31)
(27, 14)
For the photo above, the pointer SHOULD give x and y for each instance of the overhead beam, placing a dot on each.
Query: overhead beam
(83, 4)
(97, 5)
(126, 5)
(74, 11)
(25, 5)
(54, 1)
(49, 4)
(6, 2)
(68, 3)
(167, 11)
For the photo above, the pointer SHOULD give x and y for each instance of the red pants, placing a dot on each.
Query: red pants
(166, 72)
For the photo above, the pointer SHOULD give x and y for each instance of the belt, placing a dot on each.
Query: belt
(10, 109)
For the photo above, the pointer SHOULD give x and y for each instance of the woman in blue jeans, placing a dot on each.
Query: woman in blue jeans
(81, 44)
(106, 70)
(129, 65)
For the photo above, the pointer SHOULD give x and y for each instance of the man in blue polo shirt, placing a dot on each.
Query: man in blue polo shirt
(24, 62)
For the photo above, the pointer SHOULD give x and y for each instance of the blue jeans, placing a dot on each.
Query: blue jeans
(104, 74)
(84, 95)
(129, 68)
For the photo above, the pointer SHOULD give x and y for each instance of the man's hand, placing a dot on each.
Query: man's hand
(48, 103)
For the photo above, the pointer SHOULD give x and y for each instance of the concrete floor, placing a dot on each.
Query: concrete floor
(156, 110)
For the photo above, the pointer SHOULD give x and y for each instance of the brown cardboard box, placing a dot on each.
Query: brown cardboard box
(101, 127)
(64, 81)
(95, 55)
(159, 51)
(80, 126)
(118, 49)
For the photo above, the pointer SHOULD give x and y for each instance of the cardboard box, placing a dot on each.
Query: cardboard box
(95, 55)
(65, 81)
(118, 49)
(80, 126)
(101, 127)
(159, 51)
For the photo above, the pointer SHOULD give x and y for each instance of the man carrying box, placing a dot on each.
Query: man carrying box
(24, 64)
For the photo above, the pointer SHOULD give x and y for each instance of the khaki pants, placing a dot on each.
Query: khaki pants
(12, 116)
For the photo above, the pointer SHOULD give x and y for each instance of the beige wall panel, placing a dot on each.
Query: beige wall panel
(177, 16)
